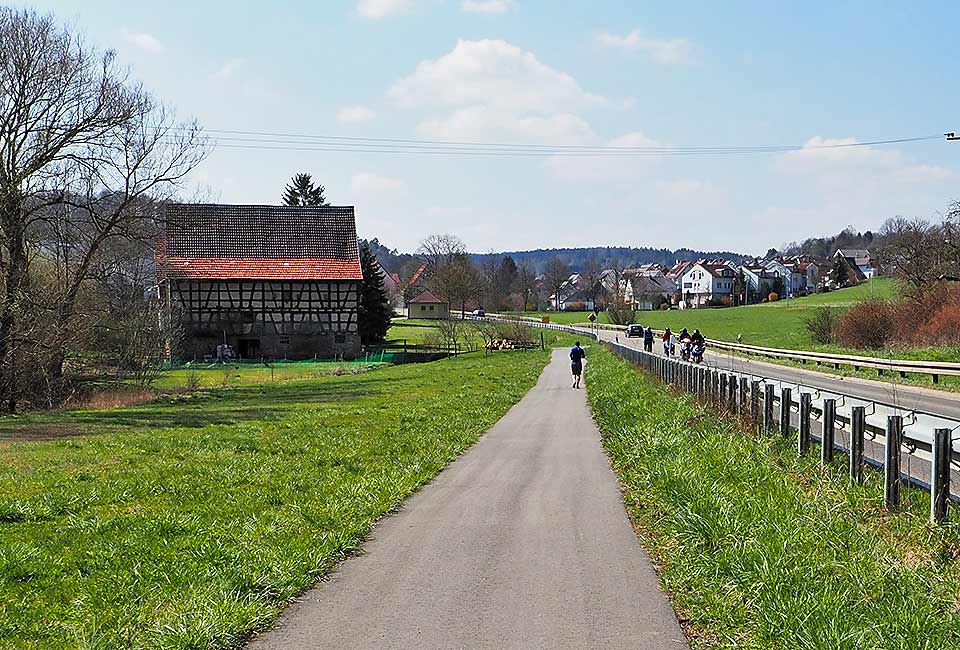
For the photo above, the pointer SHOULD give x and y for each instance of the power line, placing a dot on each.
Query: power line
(240, 139)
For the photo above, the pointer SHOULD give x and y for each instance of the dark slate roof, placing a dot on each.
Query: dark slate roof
(259, 242)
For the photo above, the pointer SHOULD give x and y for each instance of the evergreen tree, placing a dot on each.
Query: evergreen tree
(374, 312)
(839, 273)
(301, 191)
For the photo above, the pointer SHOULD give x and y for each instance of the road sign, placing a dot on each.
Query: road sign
(592, 318)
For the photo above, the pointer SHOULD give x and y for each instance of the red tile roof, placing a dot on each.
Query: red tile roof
(258, 242)
(427, 297)
(225, 268)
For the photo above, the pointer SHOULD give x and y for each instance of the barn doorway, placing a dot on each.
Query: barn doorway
(249, 348)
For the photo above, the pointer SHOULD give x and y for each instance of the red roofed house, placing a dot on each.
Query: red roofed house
(270, 281)
(427, 305)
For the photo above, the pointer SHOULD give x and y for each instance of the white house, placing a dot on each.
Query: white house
(760, 281)
(645, 290)
(706, 281)
(572, 292)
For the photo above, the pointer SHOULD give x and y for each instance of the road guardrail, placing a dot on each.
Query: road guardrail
(907, 445)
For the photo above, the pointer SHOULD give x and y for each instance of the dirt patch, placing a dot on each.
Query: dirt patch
(33, 431)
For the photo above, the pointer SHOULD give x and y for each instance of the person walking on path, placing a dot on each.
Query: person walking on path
(667, 342)
(648, 339)
(577, 355)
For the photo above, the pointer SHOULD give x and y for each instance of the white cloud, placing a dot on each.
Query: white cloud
(370, 183)
(480, 123)
(143, 41)
(607, 167)
(493, 73)
(377, 9)
(487, 6)
(844, 160)
(668, 51)
(355, 114)
(228, 70)
(830, 183)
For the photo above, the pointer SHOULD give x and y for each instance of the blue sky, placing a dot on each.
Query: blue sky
(558, 73)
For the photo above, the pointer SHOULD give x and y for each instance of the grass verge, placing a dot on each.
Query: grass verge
(190, 521)
(761, 549)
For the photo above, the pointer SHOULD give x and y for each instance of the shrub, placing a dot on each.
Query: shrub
(192, 382)
(933, 316)
(823, 323)
(870, 324)
(664, 306)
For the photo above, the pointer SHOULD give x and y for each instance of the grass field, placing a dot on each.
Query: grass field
(417, 331)
(189, 521)
(229, 375)
(762, 550)
(779, 324)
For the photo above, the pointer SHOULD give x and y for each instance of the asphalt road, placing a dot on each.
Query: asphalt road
(523, 542)
(906, 396)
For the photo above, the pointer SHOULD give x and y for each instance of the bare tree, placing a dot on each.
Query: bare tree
(458, 282)
(912, 250)
(619, 310)
(438, 251)
(554, 277)
(590, 279)
(525, 284)
(85, 154)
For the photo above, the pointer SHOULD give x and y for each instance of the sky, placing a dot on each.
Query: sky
(540, 72)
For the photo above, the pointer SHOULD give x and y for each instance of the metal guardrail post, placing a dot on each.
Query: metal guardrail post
(803, 437)
(829, 429)
(858, 422)
(732, 393)
(722, 402)
(742, 403)
(940, 476)
(755, 402)
(891, 465)
(786, 404)
(768, 398)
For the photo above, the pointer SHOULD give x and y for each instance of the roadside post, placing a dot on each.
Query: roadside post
(786, 404)
(768, 397)
(803, 436)
(858, 420)
(891, 465)
(828, 430)
(940, 475)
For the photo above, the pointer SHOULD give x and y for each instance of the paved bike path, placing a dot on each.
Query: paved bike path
(521, 543)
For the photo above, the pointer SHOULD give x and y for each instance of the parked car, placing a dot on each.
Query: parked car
(478, 313)
(635, 330)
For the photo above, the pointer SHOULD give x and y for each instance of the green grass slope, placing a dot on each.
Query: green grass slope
(762, 550)
(188, 522)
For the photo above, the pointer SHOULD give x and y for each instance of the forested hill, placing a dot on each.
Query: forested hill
(609, 256)
(576, 258)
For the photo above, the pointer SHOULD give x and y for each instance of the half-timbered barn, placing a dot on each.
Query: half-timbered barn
(268, 281)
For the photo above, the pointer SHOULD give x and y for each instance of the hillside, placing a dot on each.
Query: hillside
(610, 256)
(606, 256)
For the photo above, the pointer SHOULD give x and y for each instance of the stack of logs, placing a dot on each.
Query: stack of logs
(508, 344)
